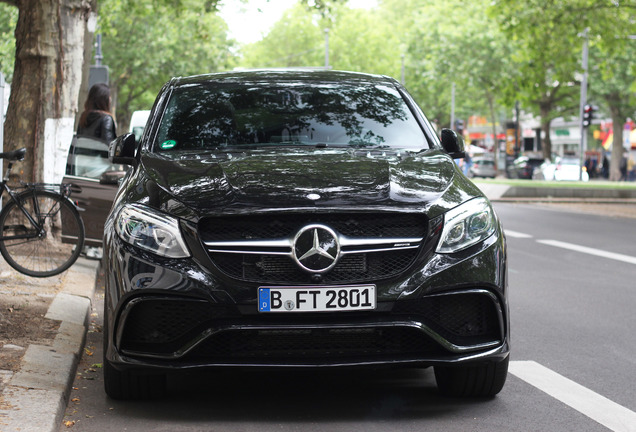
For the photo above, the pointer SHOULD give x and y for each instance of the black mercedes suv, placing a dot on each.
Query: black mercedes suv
(297, 218)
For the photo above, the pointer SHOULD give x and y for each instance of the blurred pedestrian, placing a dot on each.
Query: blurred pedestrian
(97, 120)
(631, 168)
(623, 167)
(605, 167)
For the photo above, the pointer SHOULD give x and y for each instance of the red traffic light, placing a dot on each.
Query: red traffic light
(588, 114)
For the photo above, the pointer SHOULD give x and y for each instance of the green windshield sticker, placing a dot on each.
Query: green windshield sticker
(167, 145)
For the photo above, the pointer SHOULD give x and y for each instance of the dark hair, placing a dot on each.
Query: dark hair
(98, 100)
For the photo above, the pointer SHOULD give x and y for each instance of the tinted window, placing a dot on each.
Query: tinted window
(206, 116)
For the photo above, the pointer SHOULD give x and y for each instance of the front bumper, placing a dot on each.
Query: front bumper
(169, 317)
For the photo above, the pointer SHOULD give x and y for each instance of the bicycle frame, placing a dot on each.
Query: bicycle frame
(61, 189)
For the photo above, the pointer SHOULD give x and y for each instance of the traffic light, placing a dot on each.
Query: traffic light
(588, 114)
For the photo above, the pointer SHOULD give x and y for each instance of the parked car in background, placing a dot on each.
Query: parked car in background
(299, 219)
(482, 167)
(94, 182)
(523, 167)
(562, 169)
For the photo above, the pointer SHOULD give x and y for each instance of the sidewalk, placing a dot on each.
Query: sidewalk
(34, 397)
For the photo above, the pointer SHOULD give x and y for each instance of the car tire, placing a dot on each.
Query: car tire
(482, 380)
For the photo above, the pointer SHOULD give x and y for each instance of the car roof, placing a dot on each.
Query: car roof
(264, 76)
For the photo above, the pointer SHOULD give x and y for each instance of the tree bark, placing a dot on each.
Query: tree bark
(617, 144)
(545, 128)
(46, 81)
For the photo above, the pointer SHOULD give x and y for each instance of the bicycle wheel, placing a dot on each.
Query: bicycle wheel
(45, 252)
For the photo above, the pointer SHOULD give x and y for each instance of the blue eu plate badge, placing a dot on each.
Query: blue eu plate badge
(263, 300)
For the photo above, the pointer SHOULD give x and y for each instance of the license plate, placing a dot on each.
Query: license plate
(316, 299)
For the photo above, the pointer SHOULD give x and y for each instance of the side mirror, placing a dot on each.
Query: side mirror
(111, 177)
(122, 150)
(453, 144)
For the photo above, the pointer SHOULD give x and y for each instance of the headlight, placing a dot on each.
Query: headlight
(466, 225)
(152, 231)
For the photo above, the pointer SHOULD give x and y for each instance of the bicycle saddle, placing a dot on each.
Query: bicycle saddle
(14, 155)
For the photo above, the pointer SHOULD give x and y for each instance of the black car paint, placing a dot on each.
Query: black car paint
(269, 182)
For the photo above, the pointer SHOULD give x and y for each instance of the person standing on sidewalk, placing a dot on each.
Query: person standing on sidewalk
(97, 121)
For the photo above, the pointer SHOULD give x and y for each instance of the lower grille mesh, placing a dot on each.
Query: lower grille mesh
(309, 345)
(271, 269)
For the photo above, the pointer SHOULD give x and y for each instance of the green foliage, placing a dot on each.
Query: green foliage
(359, 40)
(146, 42)
(295, 40)
(454, 42)
(8, 21)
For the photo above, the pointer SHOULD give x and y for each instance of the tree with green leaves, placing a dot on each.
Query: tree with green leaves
(145, 43)
(455, 42)
(612, 75)
(45, 81)
(547, 47)
(8, 21)
(359, 40)
(547, 38)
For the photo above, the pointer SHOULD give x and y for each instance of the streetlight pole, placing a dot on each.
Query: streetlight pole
(583, 101)
(452, 119)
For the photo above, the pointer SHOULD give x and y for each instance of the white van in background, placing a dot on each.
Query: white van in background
(138, 122)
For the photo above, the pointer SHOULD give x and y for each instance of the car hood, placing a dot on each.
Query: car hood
(293, 178)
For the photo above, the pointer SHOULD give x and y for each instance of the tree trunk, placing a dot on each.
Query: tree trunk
(546, 144)
(46, 82)
(493, 119)
(617, 144)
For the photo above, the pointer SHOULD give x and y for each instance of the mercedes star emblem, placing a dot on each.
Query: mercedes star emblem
(316, 248)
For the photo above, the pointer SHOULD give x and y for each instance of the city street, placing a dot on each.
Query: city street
(572, 301)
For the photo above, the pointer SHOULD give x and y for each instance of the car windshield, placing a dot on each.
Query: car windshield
(205, 116)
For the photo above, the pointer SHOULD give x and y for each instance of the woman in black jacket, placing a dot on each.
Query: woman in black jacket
(96, 120)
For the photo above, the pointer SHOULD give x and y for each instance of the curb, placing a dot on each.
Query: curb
(35, 397)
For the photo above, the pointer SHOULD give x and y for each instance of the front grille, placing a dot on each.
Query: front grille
(269, 269)
(357, 225)
(305, 346)
(392, 244)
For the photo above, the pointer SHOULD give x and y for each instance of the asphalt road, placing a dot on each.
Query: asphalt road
(572, 295)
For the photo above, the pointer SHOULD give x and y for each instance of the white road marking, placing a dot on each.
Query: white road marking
(597, 407)
(516, 234)
(591, 251)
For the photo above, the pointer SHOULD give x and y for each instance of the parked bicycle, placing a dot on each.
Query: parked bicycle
(41, 231)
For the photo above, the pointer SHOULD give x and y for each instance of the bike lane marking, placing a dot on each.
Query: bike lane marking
(600, 409)
(590, 251)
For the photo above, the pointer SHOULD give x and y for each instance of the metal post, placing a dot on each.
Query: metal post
(98, 50)
(583, 102)
(1, 125)
(452, 119)
(326, 48)
(517, 144)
